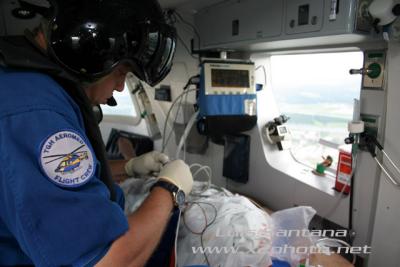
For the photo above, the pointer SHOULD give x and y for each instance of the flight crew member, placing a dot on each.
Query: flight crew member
(58, 204)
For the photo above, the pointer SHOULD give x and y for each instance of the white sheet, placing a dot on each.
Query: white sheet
(239, 235)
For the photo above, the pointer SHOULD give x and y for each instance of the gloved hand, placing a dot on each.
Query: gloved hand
(178, 173)
(146, 163)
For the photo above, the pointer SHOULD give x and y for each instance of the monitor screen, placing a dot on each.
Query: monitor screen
(230, 78)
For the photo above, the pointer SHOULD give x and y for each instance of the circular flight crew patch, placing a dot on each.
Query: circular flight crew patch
(66, 159)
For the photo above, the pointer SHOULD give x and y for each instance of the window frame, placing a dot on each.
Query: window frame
(268, 109)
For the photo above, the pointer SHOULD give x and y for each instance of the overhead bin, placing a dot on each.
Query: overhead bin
(252, 23)
(233, 21)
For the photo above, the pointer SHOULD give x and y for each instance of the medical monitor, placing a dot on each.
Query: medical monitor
(229, 78)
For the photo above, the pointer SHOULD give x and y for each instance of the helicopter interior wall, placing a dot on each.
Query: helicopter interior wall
(277, 189)
(385, 239)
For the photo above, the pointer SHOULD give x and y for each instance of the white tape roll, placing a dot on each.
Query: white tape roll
(355, 127)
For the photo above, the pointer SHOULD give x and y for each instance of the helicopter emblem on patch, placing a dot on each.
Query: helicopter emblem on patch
(66, 159)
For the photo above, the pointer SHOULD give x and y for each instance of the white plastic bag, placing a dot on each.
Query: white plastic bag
(291, 237)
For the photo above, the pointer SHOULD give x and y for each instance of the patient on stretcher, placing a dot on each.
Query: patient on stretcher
(219, 228)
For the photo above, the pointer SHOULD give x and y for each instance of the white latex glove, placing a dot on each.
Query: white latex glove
(146, 163)
(178, 173)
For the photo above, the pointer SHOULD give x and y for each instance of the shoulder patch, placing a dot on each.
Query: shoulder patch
(66, 159)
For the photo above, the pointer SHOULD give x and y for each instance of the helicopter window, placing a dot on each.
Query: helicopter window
(316, 91)
(126, 109)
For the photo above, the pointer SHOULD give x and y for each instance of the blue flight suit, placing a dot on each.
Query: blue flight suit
(43, 221)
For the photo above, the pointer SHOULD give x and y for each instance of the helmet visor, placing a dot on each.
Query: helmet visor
(153, 60)
(92, 49)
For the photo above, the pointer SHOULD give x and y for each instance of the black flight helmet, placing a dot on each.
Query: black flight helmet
(91, 37)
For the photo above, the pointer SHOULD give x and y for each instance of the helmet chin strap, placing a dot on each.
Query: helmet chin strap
(111, 102)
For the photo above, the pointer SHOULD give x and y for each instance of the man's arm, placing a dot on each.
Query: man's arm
(118, 170)
(146, 226)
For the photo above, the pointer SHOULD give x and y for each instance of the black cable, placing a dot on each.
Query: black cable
(205, 218)
(202, 233)
(172, 16)
(189, 82)
(192, 81)
(190, 25)
(375, 141)
(202, 245)
(169, 113)
(205, 228)
(186, 48)
(351, 203)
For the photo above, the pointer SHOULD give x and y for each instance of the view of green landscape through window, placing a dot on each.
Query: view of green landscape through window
(317, 92)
